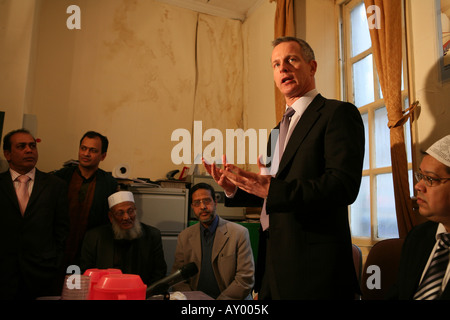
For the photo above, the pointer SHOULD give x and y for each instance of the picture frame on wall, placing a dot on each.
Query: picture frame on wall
(443, 37)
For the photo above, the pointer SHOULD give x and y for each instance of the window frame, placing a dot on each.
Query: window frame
(346, 62)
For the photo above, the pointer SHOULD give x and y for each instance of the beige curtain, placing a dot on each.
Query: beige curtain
(387, 51)
(284, 26)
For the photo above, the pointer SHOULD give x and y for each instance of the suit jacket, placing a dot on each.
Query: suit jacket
(232, 259)
(105, 186)
(318, 177)
(145, 256)
(32, 246)
(416, 251)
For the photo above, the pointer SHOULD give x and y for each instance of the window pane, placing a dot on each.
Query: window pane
(366, 164)
(382, 139)
(386, 217)
(411, 182)
(360, 30)
(363, 81)
(380, 91)
(408, 134)
(360, 211)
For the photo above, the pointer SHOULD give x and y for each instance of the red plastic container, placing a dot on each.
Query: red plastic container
(119, 287)
(97, 274)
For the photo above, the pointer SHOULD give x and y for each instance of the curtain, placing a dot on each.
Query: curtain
(386, 35)
(284, 26)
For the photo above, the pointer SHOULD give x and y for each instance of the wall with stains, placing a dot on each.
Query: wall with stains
(136, 71)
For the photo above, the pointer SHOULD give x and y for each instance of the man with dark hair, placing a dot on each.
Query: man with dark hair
(93, 135)
(221, 250)
(89, 189)
(34, 213)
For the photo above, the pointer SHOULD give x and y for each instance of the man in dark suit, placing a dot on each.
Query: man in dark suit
(89, 188)
(422, 242)
(34, 231)
(306, 248)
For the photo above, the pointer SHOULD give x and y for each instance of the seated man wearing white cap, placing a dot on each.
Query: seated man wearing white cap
(424, 266)
(125, 244)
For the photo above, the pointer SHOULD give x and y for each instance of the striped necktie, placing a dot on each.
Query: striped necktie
(430, 287)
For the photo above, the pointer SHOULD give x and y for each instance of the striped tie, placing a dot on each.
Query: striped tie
(430, 288)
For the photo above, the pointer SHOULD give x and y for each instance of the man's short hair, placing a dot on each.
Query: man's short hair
(92, 135)
(307, 51)
(7, 138)
(205, 186)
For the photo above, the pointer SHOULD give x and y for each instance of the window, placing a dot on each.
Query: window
(372, 216)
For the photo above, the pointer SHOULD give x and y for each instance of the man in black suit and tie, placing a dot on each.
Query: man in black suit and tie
(424, 265)
(306, 248)
(34, 214)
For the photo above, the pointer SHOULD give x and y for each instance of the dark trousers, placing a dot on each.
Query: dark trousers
(267, 287)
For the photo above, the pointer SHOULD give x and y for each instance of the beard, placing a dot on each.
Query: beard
(207, 220)
(127, 234)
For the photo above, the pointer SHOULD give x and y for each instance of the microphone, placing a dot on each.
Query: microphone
(161, 286)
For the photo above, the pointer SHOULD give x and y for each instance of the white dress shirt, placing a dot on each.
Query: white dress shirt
(31, 174)
(299, 106)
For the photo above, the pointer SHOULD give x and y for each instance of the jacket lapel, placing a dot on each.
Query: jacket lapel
(195, 241)
(7, 186)
(108, 253)
(301, 130)
(220, 239)
(38, 186)
(423, 250)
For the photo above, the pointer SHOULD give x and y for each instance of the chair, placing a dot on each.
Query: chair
(357, 260)
(386, 255)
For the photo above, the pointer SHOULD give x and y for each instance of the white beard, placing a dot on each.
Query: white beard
(128, 234)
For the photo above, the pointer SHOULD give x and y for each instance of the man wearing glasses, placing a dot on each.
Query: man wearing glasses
(424, 267)
(125, 244)
(221, 250)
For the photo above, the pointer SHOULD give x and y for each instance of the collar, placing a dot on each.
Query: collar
(212, 227)
(31, 174)
(77, 170)
(303, 102)
(440, 229)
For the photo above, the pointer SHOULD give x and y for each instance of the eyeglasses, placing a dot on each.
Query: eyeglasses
(197, 203)
(130, 212)
(429, 181)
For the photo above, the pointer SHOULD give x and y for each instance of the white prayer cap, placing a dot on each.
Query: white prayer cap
(440, 150)
(119, 197)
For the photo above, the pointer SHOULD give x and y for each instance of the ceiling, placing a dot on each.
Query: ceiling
(232, 9)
